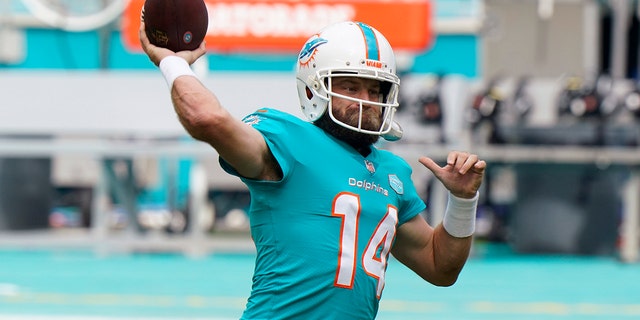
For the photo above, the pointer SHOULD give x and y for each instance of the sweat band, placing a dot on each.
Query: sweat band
(460, 216)
(173, 67)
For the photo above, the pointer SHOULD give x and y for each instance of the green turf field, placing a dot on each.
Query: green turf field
(495, 284)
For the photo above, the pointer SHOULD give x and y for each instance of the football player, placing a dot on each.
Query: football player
(327, 206)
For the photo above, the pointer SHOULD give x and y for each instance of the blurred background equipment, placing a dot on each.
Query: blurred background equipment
(571, 100)
(484, 113)
(521, 102)
(26, 193)
(590, 100)
(429, 104)
(631, 101)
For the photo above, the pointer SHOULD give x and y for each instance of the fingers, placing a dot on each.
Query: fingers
(479, 166)
(155, 53)
(199, 52)
(143, 35)
(465, 161)
(146, 44)
(429, 164)
(462, 162)
(462, 175)
(457, 161)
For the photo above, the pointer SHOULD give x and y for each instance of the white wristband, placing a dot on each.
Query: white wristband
(460, 216)
(173, 67)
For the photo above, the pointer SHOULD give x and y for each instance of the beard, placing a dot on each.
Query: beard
(358, 140)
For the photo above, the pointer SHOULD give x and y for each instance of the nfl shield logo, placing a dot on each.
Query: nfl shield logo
(370, 166)
(396, 184)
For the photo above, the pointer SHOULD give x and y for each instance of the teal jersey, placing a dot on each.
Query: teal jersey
(323, 233)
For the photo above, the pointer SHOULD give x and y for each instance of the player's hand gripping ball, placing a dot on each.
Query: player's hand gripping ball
(175, 24)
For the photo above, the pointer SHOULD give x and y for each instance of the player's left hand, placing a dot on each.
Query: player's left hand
(462, 175)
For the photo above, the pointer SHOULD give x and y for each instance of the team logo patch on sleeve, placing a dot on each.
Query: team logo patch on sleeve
(396, 184)
(252, 120)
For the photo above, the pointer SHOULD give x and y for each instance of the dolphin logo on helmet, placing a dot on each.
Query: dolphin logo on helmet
(309, 49)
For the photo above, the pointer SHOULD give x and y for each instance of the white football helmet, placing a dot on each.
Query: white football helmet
(348, 49)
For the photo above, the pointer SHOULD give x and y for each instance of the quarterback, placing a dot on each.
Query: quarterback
(328, 207)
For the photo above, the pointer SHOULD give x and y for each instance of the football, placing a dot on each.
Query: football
(175, 24)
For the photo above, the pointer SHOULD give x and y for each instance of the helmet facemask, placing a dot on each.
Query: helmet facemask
(387, 102)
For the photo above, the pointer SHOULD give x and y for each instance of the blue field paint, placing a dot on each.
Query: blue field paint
(65, 284)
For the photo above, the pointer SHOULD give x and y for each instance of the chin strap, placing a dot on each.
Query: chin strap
(395, 133)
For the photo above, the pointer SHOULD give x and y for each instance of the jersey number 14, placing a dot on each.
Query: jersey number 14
(374, 258)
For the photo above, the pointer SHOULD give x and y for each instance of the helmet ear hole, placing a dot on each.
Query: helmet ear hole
(309, 93)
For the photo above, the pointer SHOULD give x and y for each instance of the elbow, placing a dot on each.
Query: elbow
(199, 113)
(200, 126)
(445, 281)
(443, 278)
(199, 122)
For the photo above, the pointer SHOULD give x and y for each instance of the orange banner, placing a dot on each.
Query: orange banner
(284, 26)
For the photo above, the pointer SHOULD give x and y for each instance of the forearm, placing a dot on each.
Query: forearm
(450, 255)
(197, 108)
(452, 239)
